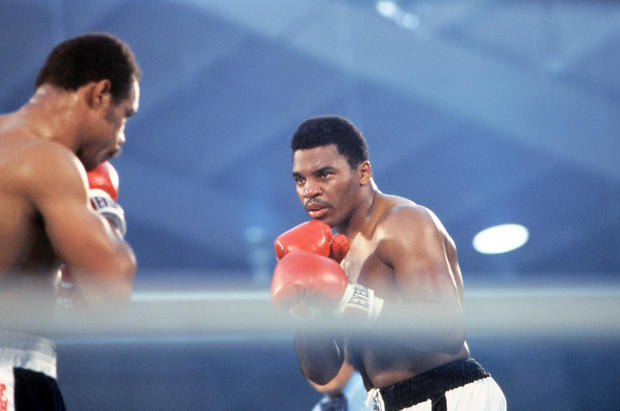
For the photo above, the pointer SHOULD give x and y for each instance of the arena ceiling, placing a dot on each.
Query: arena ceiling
(487, 112)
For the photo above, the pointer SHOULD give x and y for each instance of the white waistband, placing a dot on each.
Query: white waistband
(28, 351)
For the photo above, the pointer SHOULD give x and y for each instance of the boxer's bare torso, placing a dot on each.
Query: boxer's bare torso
(27, 260)
(375, 255)
(45, 217)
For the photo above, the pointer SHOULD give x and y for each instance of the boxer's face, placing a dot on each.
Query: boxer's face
(326, 184)
(116, 116)
(109, 131)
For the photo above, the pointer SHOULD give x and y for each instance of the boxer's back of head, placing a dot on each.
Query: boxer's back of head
(91, 57)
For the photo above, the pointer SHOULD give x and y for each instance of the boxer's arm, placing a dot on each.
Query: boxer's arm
(320, 354)
(428, 285)
(302, 277)
(308, 276)
(337, 385)
(101, 262)
(103, 186)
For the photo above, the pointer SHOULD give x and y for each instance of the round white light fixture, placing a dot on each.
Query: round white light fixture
(500, 238)
(387, 8)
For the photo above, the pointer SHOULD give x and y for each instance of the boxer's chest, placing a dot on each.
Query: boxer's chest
(363, 266)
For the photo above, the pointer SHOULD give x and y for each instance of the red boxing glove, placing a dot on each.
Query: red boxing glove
(320, 283)
(103, 184)
(104, 177)
(339, 247)
(313, 236)
(302, 276)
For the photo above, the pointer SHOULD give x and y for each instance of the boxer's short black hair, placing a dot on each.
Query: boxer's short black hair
(91, 57)
(332, 129)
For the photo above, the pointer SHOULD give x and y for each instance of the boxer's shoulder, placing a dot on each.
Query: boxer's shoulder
(400, 215)
(24, 148)
(391, 215)
(32, 165)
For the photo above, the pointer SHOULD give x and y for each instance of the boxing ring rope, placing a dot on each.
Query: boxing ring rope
(504, 312)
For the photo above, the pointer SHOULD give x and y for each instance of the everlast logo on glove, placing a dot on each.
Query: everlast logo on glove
(360, 298)
(360, 302)
(101, 202)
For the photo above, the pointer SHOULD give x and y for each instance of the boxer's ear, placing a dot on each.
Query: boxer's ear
(364, 171)
(98, 93)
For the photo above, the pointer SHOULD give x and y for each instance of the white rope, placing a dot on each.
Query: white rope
(547, 311)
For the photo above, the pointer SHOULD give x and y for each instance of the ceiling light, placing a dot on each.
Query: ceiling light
(500, 238)
(387, 8)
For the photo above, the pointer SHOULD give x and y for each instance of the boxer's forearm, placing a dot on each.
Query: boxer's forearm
(320, 355)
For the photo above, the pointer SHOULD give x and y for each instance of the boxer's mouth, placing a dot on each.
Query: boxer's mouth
(316, 210)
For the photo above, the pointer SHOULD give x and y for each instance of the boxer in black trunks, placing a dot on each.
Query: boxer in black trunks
(85, 92)
(401, 268)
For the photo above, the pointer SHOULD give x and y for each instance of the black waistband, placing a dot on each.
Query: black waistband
(431, 383)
